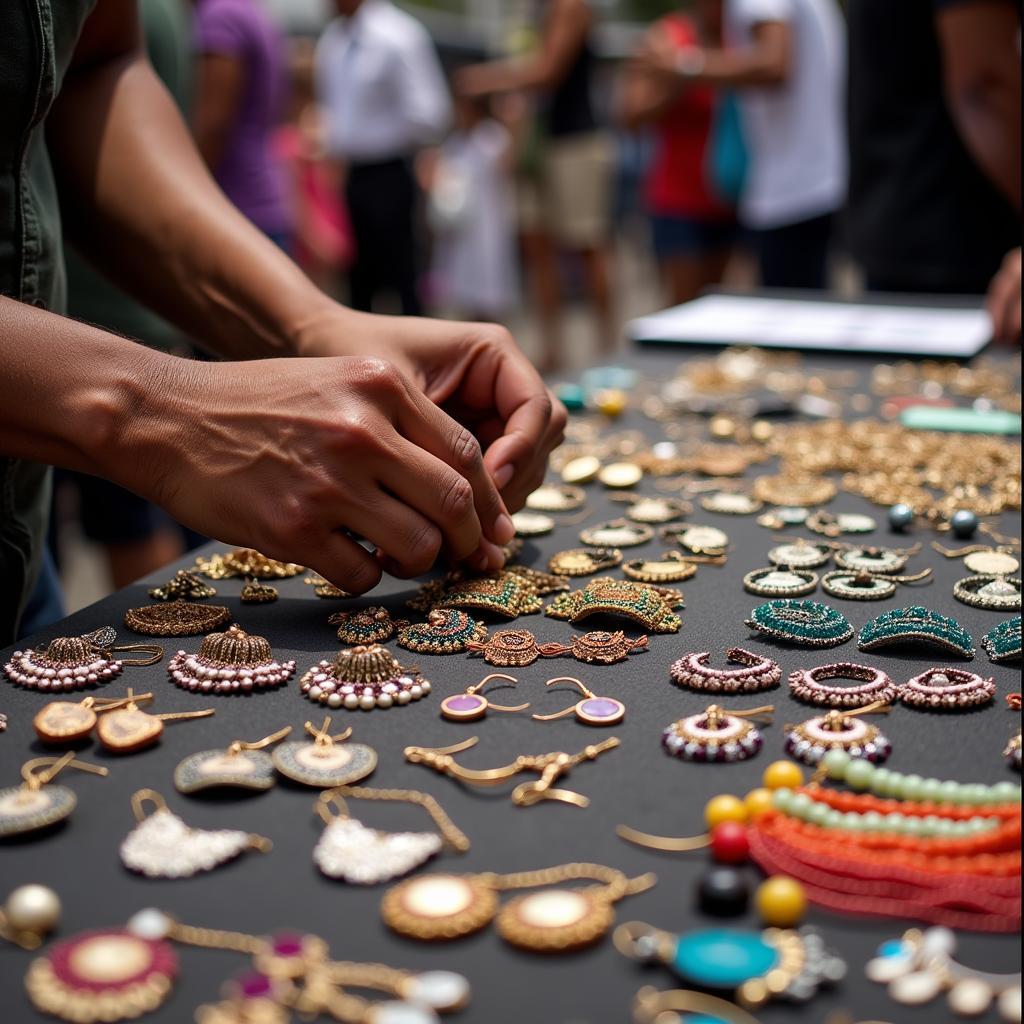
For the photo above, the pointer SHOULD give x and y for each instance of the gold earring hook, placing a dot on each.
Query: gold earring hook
(667, 844)
(55, 766)
(322, 736)
(567, 711)
(142, 797)
(491, 706)
(239, 745)
(173, 716)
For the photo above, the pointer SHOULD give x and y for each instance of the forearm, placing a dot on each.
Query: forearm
(741, 68)
(988, 120)
(140, 203)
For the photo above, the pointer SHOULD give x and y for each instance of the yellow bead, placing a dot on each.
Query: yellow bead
(781, 902)
(725, 807)
(782, 775)
(757, 801)
(610, 401)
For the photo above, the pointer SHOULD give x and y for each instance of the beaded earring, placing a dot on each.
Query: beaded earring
(916, 625)
(37, 804)
(878, 561)
(508, 648)
(757, 674)
(591, 710)
(367, 676)
(324, 589)
(948, 689)
(993, 593)
(232, 662)
(183, 586)
(242, 765)
(716, 735)
(807, 623)
(328, 761)
(808, 685)
(780, 581)
(471, 705)
(508, 594)
(616, 533)
(672, 567)
(176, 618)
(446, 631)
(801, 554)
(599, 647)
(700, 542)
(254, 592)
(63, 722)
(246, 562)
(129, 729)
(861, 585)
(584, 561)
(1003, 642)
(811, 741)
(372, 625)
(639, 602)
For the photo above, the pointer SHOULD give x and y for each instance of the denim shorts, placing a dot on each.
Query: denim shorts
(687, 236)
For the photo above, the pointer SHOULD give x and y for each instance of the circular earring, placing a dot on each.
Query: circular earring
(801, 554)
(508, 648)
(948, 689)
(731, 503)
(878, 561)
(716, 735)
(556, 498)
(780, 581)
(583, 561)
(363, 677)
(592, 710)
(861, 585)
(808, 623)
(532, 524)
(757, 673)
(707, 542)
(616, 533)
(229, 663)
(993, 593)
(807, 684)
(672, 567)
(372, 625)
(471, 705)
(810, 741)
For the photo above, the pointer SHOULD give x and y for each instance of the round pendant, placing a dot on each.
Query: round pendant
(555, 921)
(25, 810)
(723, 959)
(532, 524)
(800, 555)
(439, 907)
(583, 561)
(464, 707)
(731, 504)
(64, 722)
(780, 582)
(324, 767)
(699, 540)
(873, 560)
(581, 470)
(620, 475)
(991, 563)
(857, 586)
(993, 593)
(617, 533)
(222, 769)
(656, 510)
(555, 498)
(670, 568)
(600, 711)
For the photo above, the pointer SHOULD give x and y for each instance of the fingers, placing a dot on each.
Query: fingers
(1004, 299)
(344, 563)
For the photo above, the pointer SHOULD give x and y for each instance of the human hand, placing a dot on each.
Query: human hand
(1004, 297)
(291, 456)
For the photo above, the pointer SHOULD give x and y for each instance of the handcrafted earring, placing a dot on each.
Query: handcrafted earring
(508, 593)
(470, 705)
(916, 625)
(176, 618)
(985, 560)
(810, 741)
(580, 470)
(875, 560)
(324, 589)
(861, 585)
(876, 687)
(672, 567)
(556, 498)
(130, 729)
(326, 762)
(731, 503)
(772, 964)
(783, 516)
(76, 662)
(508, 648)
(616, 533)
(1003, 642)
(550, 768)
(254, 592)
(350, 851)
(583, 561)
(705, 542)
(653, 510)
(65, 722)
(948, 689)
(639, 602)
(229, 663)
(801, 554)
(446, 631)
(993, 593)
(246, 562)
(780, 581)
(786, 489)
(183, 586)
(716, 735)
(758, 673)
(36, 804)
(444, 907)
(162, 846)
(532, 524)
(364, 677)
(653, 1007)
(243, 765)
(599, 646)
(807, 623)
(620, 476)
(372, 625)
(829, 525)
(592, 710)
(29, 914)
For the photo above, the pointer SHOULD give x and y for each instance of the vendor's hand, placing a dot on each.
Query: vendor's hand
(290, 455)
(476, 373)
(657, 56)
(1004, 297)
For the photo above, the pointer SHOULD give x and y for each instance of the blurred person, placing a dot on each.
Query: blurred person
(786, 61)
(1004, 297)
(322, 423)
(566, 198)
(239, 99)
(693, 226)
(384, 97)
(472, 212)
(935, 137)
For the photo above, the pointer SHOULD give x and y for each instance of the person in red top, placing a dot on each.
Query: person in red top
(692, 227)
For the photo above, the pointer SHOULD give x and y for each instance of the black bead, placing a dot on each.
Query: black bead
(723, 892)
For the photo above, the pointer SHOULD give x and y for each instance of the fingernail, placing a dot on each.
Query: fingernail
(503, 475)
(504, 529)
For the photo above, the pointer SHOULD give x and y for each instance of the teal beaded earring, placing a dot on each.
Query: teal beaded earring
(808, 623)
(916, 624)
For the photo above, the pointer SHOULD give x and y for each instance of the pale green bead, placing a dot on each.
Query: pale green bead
(946, 829)
(893, 822)
(949, 792)
(975, 794)
(872, 821)
(858, 774)
(930, 825)
(852, 822)
(930, 790)
(880, 780)
(913, 826)
(1006, 792)
(835, 763)
(961, 796)
(834, 818)
(818, 814)
(977, 824)
(911, 787)
(783, 799)
(893, 785)
(800, 805)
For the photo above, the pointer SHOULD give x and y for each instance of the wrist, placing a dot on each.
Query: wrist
(690, 63)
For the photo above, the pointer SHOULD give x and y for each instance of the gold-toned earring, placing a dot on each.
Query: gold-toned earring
(242, 765)
(62, 722)
(471, 705)
(36, 804)
(130, 729)
(29, 914)
(183, 586)
(591, 710)
(350, 851)
(326, 762)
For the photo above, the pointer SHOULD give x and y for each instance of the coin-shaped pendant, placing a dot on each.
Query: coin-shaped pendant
(698, 540)
(555, 920)
(439, 907)
(532, 524)
(583, 561)
(670, 568)
(555, 498)
(991, 563)
(581, 470)
(617, 533)
(620, 475)
(224, 769)
(324, 766)
(731, 504)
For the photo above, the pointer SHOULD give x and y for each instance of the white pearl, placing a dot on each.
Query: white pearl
(367, 702)
(440, 990)
(334, 701)
(150, 924)
(916, 989)
(384, 700)
(970, 997)
(938, 941)
(1009, 1005)
(33, 908)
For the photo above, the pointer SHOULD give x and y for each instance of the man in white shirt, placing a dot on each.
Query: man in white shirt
(384, 97)
(787, 61)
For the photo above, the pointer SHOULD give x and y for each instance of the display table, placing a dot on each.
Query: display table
(636, 784)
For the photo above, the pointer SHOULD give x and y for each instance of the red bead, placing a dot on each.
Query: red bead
(729, 843)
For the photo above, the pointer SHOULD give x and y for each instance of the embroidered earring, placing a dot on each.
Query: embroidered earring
(638, 602)
(254, 592)
(36, 804)
(716, 735)
(243, 765)
(810, 741)
(328, 761)
(246, 562)
(876, 687)
(780, 581)
(801, 554)
(807, 623)
(324, 589)
(508, 594)
(76, 662)
(183, 586)
(471, 705)
(707, 543)
(993, 593)
(584, 561)
(1003, 642)
(916, 625)
(176, 618)
(758, 673)
(598, 646)
(162, 846)
(446, 631)
(556, 498)
(616, 533)
(948, 689)
(592, 710)
(130, 729)
(363, 677)
(861, 585)
(444, 907)
(70, 722)
(672, 567)
(508, 648)
(372, 625)
(349, 851)
(876, 560)
(231, 662)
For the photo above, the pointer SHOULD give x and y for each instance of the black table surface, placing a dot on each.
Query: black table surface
(635, 784)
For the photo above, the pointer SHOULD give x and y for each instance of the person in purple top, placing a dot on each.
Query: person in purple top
(240, 92)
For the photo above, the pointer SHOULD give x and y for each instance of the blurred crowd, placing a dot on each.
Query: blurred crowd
(745, 141)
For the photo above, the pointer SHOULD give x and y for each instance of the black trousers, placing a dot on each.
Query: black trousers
(382, 201)
(796, 255)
